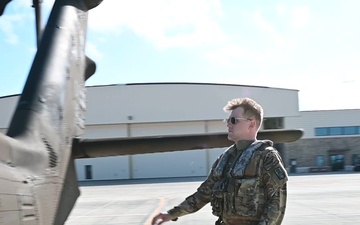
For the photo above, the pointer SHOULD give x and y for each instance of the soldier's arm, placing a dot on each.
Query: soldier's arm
(197, 200)
(274, 177)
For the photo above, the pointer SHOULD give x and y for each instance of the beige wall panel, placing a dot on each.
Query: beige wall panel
(10, 201)
(216, 126)
(105, 131)
(154, 129)
(293, 122)
(326, 118)
(10, 218)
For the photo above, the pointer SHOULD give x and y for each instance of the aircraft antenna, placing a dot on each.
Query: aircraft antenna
(37, 6)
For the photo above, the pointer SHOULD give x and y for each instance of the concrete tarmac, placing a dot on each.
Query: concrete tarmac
(328, 198)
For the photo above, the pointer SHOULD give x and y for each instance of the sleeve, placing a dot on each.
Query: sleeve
(197, 200)
(274, 177)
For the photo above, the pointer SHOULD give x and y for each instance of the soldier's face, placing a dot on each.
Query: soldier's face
(238, 125)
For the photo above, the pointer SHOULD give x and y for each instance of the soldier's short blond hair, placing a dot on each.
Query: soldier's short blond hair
(251, 108)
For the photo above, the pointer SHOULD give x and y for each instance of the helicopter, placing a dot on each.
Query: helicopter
(38, 182)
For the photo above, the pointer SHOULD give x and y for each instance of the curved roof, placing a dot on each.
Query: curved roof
(191, 83)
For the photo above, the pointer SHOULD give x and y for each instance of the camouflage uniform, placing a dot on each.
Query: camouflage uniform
(246, 186)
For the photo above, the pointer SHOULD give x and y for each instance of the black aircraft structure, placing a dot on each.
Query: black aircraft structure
(38, 183)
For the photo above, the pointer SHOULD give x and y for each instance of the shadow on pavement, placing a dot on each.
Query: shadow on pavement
(181, 179)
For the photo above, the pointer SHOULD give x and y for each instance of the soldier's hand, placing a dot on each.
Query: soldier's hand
(161, 218)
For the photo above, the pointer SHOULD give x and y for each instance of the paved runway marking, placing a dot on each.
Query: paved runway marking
(156, 211)
(108, 215)
(96, 209)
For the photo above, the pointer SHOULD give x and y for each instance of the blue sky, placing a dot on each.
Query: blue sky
(311, 46)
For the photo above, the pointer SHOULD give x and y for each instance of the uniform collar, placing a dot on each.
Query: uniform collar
(243, 144)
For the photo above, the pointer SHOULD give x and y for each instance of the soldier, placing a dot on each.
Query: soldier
(247, 183)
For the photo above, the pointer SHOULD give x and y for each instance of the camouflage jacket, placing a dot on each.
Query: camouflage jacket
(246, 185)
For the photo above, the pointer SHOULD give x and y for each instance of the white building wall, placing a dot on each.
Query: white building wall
(150, 103)
(162, 109)
(309, 120)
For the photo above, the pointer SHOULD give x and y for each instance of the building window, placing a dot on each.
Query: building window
(337, 162)
(335, 130)
(355, 160)
(320, 160)
(328, 131)
(88, 172)
(273, 123)
(321, 131)
(350, 130)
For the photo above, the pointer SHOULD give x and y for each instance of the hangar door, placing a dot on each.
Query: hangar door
(170, 164)
(105, 168)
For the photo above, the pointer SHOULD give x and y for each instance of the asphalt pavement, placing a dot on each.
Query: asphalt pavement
(325, 198)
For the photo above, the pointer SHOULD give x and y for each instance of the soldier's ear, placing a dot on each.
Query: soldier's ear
(252, 124)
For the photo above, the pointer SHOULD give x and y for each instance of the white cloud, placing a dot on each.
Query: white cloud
(300, 18)
(338, 68)
(32, 50)
(226, 56)
(48, 4)
(231, 55)
(163, 23)
(92, 51)
(280, 9)
(324, 94)
(16, 13)
(268, 28)
(19, 5)
(7, 27)
(321, 86)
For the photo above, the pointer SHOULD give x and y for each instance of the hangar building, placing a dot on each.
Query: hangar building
(331, 140)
